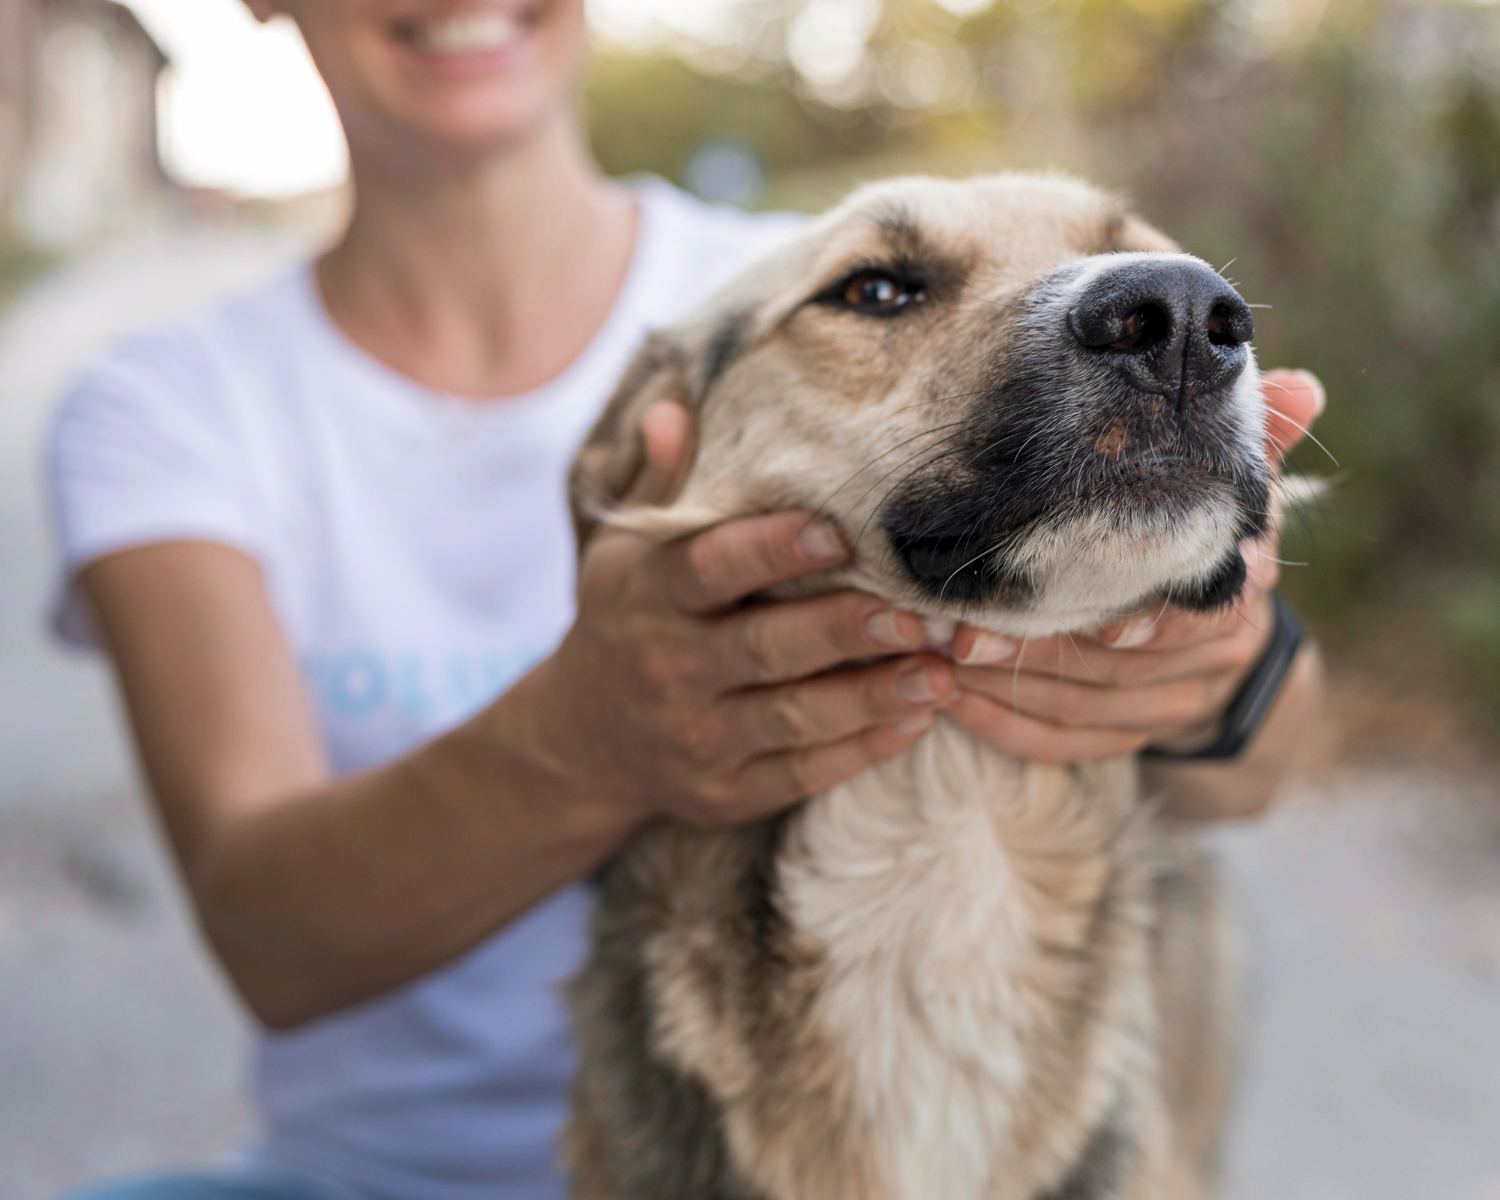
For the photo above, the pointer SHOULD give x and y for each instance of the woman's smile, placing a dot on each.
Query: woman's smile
(472, 39)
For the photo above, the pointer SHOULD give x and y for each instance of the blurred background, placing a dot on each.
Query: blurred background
(1340, 159)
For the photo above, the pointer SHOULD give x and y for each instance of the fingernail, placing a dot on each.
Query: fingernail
(1314, 385)
(988, 648)
(912, 726)
(1135, 632)
(887, 628)
(820, 542)
(915, 686)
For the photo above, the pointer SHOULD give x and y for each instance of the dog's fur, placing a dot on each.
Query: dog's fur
(957, 976)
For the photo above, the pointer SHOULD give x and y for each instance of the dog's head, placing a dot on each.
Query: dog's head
(1022, 405)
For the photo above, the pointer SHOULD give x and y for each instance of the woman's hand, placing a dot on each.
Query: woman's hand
(1160, 678)
(671, 695)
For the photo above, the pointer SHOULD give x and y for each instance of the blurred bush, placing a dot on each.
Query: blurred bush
(18, 265)
(1343, 154)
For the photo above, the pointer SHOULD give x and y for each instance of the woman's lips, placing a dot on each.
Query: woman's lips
(463, 34)
(471, 43)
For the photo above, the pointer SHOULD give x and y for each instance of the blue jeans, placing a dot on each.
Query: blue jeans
(183, 1185)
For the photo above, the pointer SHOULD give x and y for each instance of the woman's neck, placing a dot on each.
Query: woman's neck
(484, 283)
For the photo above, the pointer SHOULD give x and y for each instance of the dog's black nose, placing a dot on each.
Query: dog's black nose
(1173, 327)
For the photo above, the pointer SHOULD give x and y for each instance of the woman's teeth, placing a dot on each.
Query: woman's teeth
(472, 33)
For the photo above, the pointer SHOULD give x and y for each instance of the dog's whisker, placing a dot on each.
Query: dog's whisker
(898, 446)
(1278, 443)
(941, 399)
(1015, 677)
(1306, 432)
(876, 508)
(1083, 662)
(891, 450)
(964, 566)
(903, 463)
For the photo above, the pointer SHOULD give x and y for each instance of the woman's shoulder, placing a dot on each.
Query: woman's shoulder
(229, 339)
(712, 222)
(695, 246)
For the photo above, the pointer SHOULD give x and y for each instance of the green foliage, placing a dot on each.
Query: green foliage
(649, 112)
(1470, 608)
(18, 265)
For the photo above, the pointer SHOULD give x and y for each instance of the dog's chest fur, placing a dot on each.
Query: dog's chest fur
(927, 982)
(952, 891)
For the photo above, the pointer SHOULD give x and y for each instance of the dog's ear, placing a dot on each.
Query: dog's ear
(681, 365)
(612, 460)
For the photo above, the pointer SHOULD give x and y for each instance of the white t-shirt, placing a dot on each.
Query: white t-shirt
(419, 556)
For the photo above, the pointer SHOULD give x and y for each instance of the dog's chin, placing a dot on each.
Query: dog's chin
(1148, 486)
(1074, 574)
(1219, 589)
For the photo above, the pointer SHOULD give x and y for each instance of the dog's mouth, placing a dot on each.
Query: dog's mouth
(1153, 481)
(986, 543)
(952, 553)
(960, 566)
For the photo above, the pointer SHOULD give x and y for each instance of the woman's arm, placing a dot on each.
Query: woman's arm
(315, 892)
(1245, 786)
(666, 697)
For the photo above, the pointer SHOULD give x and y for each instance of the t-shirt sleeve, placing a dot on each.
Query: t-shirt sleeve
(141, 450)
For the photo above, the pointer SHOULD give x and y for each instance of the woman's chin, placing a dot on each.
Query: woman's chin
(466, 135)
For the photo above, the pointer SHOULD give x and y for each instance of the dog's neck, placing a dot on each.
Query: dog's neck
(944, 884)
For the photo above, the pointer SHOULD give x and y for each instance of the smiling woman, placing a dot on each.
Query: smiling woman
(393, 721)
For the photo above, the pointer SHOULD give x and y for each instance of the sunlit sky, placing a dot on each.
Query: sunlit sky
(242, 108)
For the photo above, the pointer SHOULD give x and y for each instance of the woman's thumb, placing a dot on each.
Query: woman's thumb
(666, 428)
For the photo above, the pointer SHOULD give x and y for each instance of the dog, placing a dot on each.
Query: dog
(958, 975)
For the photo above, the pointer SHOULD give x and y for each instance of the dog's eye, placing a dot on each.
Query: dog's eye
(878, 293)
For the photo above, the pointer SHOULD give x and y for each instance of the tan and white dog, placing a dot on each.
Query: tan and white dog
(959, 975)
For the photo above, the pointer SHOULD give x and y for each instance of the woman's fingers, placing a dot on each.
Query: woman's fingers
(1169, 628)
(721, 566)
(792, 639)
(770, 783)
(1157, 631)
(833, 707)
(1294, 400)
(702, 683)
(1145, 708)
(1038, 740)
(1085, 660)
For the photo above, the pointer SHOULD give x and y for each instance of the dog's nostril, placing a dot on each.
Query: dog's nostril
(1230, 325)
(1142, 328)
(1133, 327)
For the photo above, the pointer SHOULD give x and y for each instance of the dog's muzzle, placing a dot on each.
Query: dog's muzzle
(1120, 403)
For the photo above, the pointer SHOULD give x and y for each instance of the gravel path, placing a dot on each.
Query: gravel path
(1372, 900)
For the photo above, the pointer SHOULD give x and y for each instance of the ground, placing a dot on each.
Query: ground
(1371, 897)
